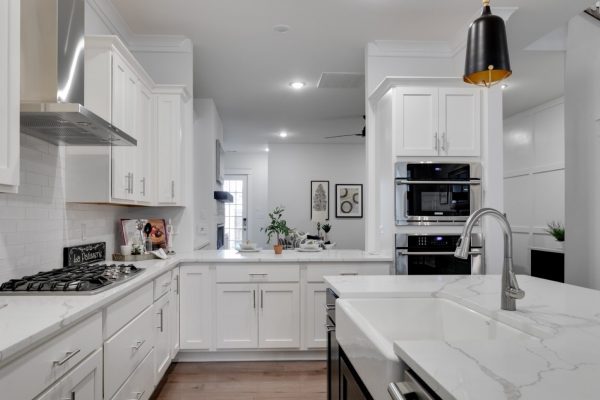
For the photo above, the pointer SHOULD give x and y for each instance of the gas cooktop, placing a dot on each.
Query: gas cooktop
(82, 279)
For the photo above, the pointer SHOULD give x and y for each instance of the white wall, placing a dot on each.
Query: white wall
(582, 161)
(293, 166)
(534, 177)
(256, 167)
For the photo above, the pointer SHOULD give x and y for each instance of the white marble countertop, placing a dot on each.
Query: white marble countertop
(26, 320)
(563, 364)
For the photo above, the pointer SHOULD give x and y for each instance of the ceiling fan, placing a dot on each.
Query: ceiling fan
(362, 134)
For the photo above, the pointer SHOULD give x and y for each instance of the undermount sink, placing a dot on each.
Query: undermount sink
(368, 328)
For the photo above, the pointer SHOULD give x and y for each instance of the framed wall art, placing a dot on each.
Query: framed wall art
(319, 201)
(349, 201)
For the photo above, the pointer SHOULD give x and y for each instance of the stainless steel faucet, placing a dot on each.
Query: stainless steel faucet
(510, 288)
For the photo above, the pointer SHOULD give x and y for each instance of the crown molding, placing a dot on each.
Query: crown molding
(111, 17)
(431, 49)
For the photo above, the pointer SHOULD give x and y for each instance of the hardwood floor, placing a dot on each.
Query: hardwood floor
(290, 380)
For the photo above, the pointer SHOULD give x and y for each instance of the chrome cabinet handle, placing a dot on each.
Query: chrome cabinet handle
(177, 287)
(161, 313)
(444, 142)
(67, 357)
(131, 178)
(409, 182)
(349, 273)
(138, 344)
(329, 307)
(138, 395)
(172, 189)
(262, 302)
(398, 391)
(254, 298)
(330, 327)
(435, 141)
(143, 182)
(434, 253)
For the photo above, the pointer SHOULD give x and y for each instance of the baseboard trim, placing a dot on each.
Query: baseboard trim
(262, 355)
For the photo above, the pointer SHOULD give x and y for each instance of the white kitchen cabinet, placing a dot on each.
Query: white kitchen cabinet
(265, 315)
(169, 113)
(9, 95)
(237, 316)
(316, 333)
(415, 114)
(162, 342)
(279, 315)
(460, 122)
(124, 110)
(195, 302)
(175, 308)
(82, 382)
(430, 121)
(144, 182)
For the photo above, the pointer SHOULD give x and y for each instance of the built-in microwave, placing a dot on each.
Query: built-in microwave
(430, 193)
(433, 254)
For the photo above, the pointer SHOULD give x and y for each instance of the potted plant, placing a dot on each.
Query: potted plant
(557, 230)
(326, 228)
(277, 227)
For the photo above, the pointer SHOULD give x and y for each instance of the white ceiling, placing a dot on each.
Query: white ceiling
(245, 66)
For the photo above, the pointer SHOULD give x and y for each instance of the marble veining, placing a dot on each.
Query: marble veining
(560, 361)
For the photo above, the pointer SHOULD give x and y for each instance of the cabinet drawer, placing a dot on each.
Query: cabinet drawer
(126, 309)
(125, 350)
(162, 285)
(231, 273)
(32, 373)
(140, 384)
(316, 272)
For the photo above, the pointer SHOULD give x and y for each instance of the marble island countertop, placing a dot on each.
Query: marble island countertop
(26, 320)
(563, 362)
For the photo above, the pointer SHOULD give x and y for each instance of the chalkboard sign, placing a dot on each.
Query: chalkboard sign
(84, 254)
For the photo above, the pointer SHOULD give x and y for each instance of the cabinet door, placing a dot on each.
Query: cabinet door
(162, 343)
(82, 382)
(124, 94)
(144, 131)
(9, 95)
(195, 304)
(168, 125)
(175, 307)
(416, 121)
(460, 124)
(237, 322)
(279, 315)
(316, 333)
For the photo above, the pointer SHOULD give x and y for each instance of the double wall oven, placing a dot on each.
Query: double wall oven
(433, 254)
(429, 193)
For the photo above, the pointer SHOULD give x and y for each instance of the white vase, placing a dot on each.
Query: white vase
(560, 245)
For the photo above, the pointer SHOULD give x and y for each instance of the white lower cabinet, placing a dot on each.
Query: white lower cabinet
(279, 315)
(237, 316)
(195, 302)
(126, 349)
(316, 333)
(84, 382)
(140, 384)
(162, 343)
(265, 315)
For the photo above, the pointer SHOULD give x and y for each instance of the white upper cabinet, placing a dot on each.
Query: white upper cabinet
(460, 121)
(9, 95)
(144, 184)
(169, 108)
(429, 121)
(416, 122)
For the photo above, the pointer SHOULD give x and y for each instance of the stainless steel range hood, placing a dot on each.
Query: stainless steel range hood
(52, 77)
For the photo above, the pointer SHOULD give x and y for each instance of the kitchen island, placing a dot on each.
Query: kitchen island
(554, 353)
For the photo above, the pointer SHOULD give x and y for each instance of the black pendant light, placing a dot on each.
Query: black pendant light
(487, 60)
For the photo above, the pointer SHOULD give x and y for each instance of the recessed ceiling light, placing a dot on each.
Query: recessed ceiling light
(267, 149)
(297, 85)
(283, 134)
(504, 86)
(281, 28)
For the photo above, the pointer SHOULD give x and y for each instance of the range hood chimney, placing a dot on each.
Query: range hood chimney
(52, 77)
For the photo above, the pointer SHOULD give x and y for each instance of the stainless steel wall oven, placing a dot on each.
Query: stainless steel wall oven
(433, 254)
(430, 193)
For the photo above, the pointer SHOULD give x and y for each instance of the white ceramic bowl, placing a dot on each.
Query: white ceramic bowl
(248, 246)
(330, 246)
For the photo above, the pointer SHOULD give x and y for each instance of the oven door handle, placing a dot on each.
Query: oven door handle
(435, 253)
(411, 182)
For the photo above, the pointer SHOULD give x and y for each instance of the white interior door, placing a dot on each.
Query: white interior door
(236, 213)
